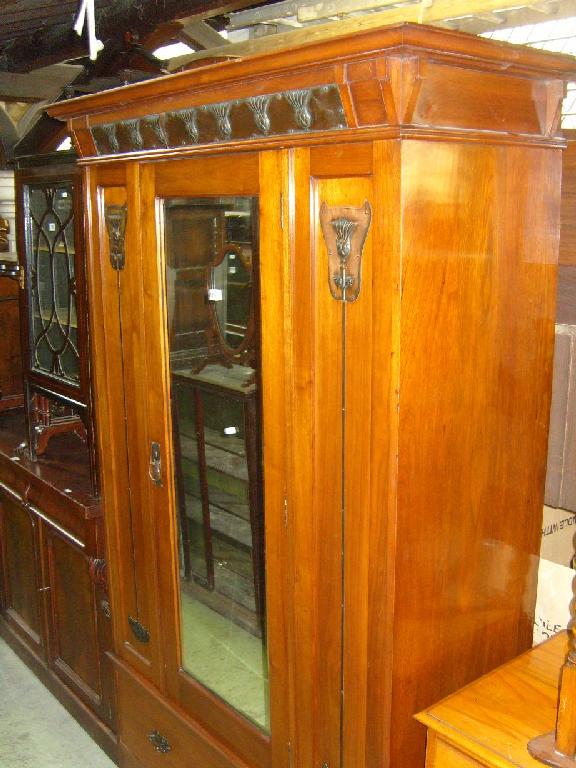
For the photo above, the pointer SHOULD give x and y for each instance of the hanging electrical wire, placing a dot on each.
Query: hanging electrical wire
(86, 14)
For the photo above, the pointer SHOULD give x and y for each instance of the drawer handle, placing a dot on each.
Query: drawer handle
(159, 742)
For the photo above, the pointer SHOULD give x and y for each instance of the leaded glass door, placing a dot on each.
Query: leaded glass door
(54, 311)
(50, 241)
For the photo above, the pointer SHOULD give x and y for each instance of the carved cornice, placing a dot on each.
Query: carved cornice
(407, 77)
(302, 110)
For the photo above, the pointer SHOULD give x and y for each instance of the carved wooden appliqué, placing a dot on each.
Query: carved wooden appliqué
(345, 231)
(115, 216)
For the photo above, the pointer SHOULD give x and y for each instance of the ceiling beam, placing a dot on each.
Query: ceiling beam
(114, 19)
(265, 13)
(449, 13)
(423, 12)
(201, 35)
(46, 83)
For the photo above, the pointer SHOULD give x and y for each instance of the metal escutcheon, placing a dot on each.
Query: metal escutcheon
(159, 742)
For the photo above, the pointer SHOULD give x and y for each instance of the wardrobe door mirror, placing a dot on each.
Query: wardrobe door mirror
(211, 283)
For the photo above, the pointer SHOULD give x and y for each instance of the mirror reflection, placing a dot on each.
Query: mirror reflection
(211, 280)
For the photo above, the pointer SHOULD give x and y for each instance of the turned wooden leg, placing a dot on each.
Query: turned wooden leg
(558, 748)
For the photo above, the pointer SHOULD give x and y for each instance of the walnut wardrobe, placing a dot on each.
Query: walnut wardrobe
(322, 290)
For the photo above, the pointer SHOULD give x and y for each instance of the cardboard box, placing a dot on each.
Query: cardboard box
(561, 469)
(555, 573)
(558, 536)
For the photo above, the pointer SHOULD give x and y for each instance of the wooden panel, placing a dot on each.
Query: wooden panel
(341, 160)
(22, 579)
(314, 365)
(340, 185)
(137, 391)
(43, 500)
(274, 309)
(74, 651)
(132, 584)
(174, 177)
(475, 100)
(371, 409)
(143, 712)
(478, 302)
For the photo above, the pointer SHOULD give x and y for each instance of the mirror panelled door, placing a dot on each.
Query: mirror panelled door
(208, 238)
(208, 428)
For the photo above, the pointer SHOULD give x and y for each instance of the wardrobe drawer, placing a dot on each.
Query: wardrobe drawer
(158, 736)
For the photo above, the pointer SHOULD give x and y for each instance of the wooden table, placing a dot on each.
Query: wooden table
(490, 722)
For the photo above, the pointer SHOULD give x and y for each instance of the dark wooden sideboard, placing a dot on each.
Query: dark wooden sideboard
(400, 195)
(54, 604)
(55, 610)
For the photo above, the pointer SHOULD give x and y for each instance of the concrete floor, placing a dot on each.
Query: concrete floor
(35, 730)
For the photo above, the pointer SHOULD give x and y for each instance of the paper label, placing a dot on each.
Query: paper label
(553, 600)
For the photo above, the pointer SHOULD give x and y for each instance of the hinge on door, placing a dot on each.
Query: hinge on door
(289, 754)
(115, 217)
(281, 211)
(285, 513)
(22, 276)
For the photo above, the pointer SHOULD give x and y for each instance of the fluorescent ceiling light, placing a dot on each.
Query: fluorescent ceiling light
(536, 35)
(64, 145)
(172, 50)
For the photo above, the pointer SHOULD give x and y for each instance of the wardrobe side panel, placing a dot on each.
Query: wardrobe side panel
(480, 239)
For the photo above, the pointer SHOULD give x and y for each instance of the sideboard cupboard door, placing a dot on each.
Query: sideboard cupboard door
(22, 575)
(75, 620)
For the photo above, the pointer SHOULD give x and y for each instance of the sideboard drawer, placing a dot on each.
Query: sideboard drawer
(441, 754)
(157, 735)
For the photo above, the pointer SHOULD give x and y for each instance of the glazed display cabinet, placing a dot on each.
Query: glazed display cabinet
(53, 308)
(322, 288)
